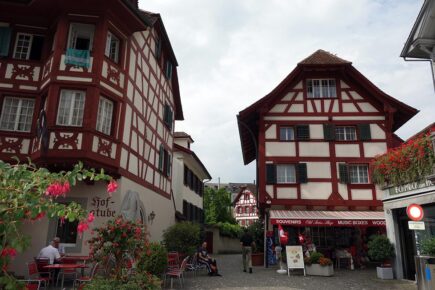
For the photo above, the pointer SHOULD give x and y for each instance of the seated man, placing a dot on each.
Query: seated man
(205, 259)
(51, 252)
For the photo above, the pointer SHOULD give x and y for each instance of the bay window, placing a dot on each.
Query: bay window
(17, 114)
(71, 108)
(104, 116)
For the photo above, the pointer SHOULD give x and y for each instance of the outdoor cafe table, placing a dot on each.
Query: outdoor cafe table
(82, 259)
(65, 266)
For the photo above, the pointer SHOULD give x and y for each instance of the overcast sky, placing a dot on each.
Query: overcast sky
(233, 52)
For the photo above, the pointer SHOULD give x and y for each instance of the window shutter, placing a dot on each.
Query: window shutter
(185, 175)
(302, 173)
(302, 132)
(168, 164)
(270, 174)
(343, 173)
(161, 157)
(158, 48)
(329, 132)
(5, 39)
(170, 116)
(364, 132)
(185, 208)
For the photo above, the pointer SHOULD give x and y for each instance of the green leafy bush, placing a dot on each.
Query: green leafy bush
(315, 257)
(229, 230)
(137, 281)
(182, 237)
(257, 232)
(380, 248)
(154, 260)
(428, 247)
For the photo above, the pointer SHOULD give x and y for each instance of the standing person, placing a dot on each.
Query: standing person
(246, 241)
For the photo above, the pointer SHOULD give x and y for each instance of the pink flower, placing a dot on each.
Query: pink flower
(82, 227)
(91, 217)
(56, 189)
(62, 220)
(66, 187)
(39, 216)
(8, 252)
(112, 186)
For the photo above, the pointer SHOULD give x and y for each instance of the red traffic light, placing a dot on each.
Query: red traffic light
(415, 212)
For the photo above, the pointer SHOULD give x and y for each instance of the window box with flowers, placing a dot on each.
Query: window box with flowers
(411, 162)
(318, 265)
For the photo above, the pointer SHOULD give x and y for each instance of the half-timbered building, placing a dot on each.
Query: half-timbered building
(92, 81)
(313, 138)
(245, 209)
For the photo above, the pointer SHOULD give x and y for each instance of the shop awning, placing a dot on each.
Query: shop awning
(303, 218)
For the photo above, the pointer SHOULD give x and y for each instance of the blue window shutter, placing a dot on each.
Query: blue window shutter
(364, 132)
(343, 173)
(329, 132)
(302, 173)
(5, 39)
(168, 165)
(270, 174)
(161, 157)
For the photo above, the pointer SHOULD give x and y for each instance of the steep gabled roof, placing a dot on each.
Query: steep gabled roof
(242, 190)
(323, 57)
(194, 156)
(321, 60)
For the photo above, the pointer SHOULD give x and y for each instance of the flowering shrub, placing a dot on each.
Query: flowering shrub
(317, 258)
(136, 281)
(410, 162)
(154, 260)
(28, 193)
(121, 240)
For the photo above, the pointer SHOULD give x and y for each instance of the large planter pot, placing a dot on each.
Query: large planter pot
(258, 259)
(319, 270)
(385, 273)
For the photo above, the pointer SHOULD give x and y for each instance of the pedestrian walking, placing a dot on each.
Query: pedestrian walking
(246, 241)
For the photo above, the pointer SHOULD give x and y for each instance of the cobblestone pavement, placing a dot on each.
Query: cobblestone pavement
(233, 278)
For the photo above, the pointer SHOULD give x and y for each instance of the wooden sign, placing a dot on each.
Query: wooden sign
(295, 258)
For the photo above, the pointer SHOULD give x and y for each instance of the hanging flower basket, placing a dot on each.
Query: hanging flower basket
(410, 162)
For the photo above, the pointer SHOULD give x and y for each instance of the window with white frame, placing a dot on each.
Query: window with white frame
(81, 36)
(286, 133)
(28, 46)
(104, 116)
(71, 107)
(285, 173)
(17, 114)
(112, 47)
(345, 133)
(359, 173)
(321, 88)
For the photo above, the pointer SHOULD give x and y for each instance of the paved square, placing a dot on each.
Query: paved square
(233, 278)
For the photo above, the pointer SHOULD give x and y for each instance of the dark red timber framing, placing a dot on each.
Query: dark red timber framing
(356, 103)
(134, 78)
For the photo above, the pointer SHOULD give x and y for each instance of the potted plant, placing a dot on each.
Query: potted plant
(257, 232)
(428, 247)
(318, 265)
(381, 250)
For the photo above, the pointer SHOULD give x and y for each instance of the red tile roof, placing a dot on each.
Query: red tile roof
(323, 57)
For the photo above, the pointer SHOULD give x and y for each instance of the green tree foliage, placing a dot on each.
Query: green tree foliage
(217, 206)
(428, 246)
(182, 237)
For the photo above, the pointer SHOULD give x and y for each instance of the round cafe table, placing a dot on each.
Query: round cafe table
(65, 266)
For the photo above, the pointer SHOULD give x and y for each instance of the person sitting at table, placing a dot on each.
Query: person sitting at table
(51, 252)
(205, 259)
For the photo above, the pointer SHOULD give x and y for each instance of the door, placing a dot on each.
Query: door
(209, 240)
(408, 249)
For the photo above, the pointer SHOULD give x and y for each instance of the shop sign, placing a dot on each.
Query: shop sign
(418, 226)
(295, 257)
(409, 187)
(103, 207)
(328, 223)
